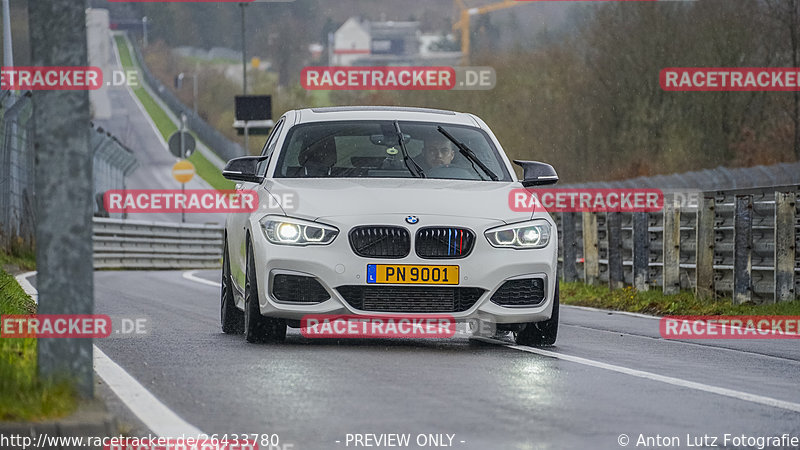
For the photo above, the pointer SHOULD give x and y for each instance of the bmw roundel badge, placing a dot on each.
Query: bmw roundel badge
(412, 219)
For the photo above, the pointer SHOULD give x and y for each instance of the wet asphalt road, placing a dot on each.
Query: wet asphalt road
(131, 126)
(312, 393)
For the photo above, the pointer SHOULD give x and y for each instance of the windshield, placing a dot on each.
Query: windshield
(372, 149)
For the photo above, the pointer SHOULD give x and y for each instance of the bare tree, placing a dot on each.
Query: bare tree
(786, 14)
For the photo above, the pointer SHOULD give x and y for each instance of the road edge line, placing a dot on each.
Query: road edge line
(142, 403)
(22, 281)
(611, 311)
(731, 393)
(190, 275)
(154, 414)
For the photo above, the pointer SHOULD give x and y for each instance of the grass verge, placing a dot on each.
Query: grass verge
(164, 124)
(656, 303)
(20, 256)
(205, 169)
(23, 396)
(209, 172)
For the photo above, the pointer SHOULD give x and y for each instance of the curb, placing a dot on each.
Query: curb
(90, 420)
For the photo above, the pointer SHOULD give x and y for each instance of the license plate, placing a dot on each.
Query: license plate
(411, 274)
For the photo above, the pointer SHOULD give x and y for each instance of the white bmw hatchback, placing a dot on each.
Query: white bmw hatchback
(386, 210)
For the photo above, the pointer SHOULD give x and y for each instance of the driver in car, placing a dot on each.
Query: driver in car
(438, 152)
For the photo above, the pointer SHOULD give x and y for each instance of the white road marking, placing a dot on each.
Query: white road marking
(156, 416)
(161, 420)
(190, 275)
(678, 341)
(22, 280)
(739, 395)
(610, 312)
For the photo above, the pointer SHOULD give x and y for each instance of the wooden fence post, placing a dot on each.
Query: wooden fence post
(671, 242)
(570, 243)
(591, 263)
(742, 249)
(704, 250)
(641, 251)
(616, 277)
(785, 203)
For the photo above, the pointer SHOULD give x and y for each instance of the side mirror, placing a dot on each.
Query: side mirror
(535, 173)
(244, 169)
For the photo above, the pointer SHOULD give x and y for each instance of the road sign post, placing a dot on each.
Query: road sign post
(182, 151)
(183, 171)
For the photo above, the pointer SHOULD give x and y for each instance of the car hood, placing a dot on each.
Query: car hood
(334, 197)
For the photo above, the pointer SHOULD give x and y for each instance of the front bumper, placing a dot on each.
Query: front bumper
(336, 265)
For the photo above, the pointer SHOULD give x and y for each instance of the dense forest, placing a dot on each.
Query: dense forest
(586, 97)
(583, 94)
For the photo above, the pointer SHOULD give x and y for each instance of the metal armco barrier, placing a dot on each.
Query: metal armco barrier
(742, 244)
(216, 141)
(128, 244)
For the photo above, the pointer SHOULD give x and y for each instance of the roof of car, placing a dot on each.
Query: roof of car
(339, 113)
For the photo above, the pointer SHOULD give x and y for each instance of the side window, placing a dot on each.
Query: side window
(273, 138)
(269, 147)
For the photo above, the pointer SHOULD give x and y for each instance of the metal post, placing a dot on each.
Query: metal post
(785, 204)
(194, 93)
(244, 53)
(64, 204)
(246, 138)
(183, 156)
(144, 32)
(570, 244)
(244, 77)
(704, 248)
(742, 249)
(8, 48)
(591, 258)
(671, 251)
(641, 251)
(616, 277)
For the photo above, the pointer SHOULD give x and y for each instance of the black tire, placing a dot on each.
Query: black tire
(541, 334)
(257, 328)
(231, 317)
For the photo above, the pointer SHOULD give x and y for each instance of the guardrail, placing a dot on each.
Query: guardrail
(738, 243)
(129, 244)
(216, 141)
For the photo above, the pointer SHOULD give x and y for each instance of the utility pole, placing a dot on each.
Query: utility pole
(183, 156)
(63, 173)
(8, 49)
(194, 91)
(179, 84)
(244, 77)
(144, 32)
(244, 52)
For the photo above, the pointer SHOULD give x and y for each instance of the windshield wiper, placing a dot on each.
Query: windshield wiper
(414, 168)
(468, 153)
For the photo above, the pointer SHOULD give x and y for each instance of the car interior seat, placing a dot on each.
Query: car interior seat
(318, 158)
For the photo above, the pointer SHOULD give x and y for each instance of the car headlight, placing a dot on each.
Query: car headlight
(290, 231)
(533, 234)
